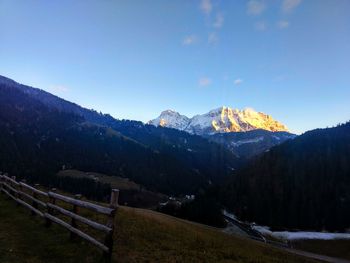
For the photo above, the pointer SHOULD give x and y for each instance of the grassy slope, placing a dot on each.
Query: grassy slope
(147, 236)
(141, 236)
(24, 238)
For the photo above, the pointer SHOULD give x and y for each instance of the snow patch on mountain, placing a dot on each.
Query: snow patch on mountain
(171, 119)
(255, 140)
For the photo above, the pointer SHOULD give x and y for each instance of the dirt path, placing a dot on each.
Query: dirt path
(316, 256)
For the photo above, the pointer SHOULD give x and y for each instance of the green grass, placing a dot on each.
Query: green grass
(24, 238)
(147, 236)
(140, 236)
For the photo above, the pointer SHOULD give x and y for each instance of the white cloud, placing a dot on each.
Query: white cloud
(59, 88)
(289, 5)
(260, 25)
(238, 82)
(190, 40)
(255, 7)
(206, 6)
(204, 81)
(213, 38)
(283, 24)
(219, 21)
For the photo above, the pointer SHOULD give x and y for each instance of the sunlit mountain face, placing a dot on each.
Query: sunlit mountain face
(220, 120)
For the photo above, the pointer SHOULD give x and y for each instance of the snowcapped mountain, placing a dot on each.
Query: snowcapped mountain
(220, 120)
(171, 119)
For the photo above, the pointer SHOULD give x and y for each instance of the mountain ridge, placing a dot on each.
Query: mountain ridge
(160, 139)
(198, 161)
(220, 120)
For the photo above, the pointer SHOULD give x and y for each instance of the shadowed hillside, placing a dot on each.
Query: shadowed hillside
(42, 133)
(302, 183)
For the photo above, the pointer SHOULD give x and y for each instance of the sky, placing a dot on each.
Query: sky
(134, 59)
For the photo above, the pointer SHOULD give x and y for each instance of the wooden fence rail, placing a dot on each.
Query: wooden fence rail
(48, 208)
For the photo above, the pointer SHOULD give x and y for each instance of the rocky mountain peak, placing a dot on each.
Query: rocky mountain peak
(220, 120)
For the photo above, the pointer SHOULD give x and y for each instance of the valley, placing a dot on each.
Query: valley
(189, 175)
(202, 131)
(142, 236)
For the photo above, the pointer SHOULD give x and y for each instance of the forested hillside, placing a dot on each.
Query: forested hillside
(302, 183)
(38, 139)
(208, 159)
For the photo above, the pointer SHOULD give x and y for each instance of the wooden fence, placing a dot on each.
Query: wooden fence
(45, 205)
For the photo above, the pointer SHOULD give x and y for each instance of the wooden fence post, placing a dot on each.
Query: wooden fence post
(75, 210)
(1, 180)
(20, 189)
(15, 194)
(35, 204)
(6, 181)
(53, 201)
(49, 210)
(110, 223)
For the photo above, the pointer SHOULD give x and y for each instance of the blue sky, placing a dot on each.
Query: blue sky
(133, 59)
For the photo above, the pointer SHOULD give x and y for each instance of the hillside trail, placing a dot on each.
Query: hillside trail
(315, 256)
